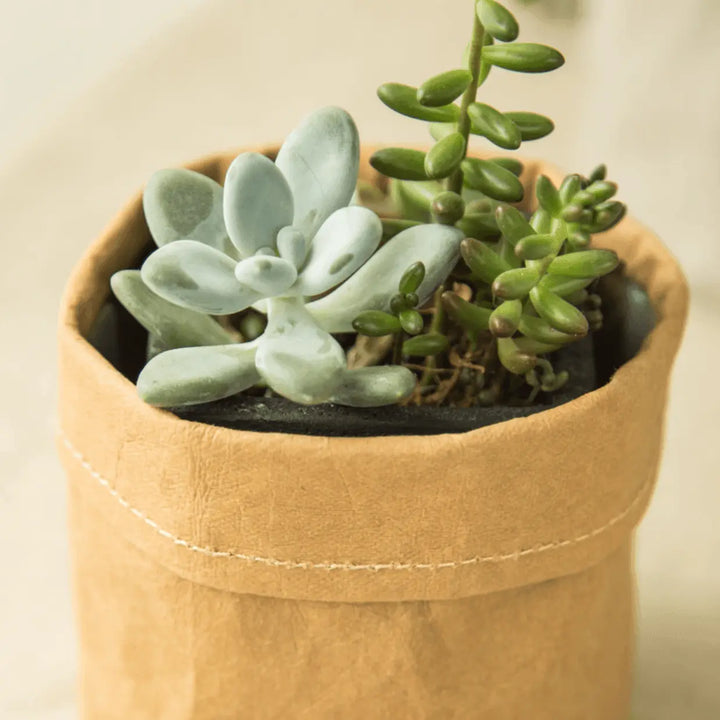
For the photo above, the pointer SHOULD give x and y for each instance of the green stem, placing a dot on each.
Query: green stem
(455, 181)
(436, 326)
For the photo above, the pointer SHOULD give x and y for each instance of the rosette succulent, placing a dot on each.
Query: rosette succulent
(283, 238)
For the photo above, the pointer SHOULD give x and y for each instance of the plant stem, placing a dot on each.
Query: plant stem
(436, 326)
(455, 181)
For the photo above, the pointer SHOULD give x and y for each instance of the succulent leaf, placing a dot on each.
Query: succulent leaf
(498, 20)
(374, 386)
(558, 312)
(266, 275)
(445, 157)
(374, 285)
(173, 326)
(412, 278)
(512, 224)
(513, 359)
(548, 196)
(444, 89)
(531, 125)
(473, 318)
(403, 99)
(536, 247)
(524, 57)
(400, 163)
(492, 179)
(190, 376)
(320, 160)
(515, 284)
(586, 263)
(197, 277)
(495, 126)
(257, 203)
(292, 246)
(295, 357)
(376, 323)
(484, 263)
(511, 164)
(343, 244)
(505, 318)
(181, 204)
(425, 345)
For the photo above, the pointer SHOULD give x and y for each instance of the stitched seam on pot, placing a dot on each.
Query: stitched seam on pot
(373, 567)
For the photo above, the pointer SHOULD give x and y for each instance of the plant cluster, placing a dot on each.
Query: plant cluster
(277, 283)
(525, 287)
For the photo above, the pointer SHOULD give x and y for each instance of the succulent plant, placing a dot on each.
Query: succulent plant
(280, 237)
(526, 288)
(456, 285)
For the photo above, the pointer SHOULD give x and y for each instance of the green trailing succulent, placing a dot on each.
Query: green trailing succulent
(281, 282)
(525, 286)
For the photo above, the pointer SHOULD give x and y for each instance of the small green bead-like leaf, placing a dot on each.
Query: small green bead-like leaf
(564, 285)
(498, 20)
(425, 345)
(601, 191)
(399, 303)
(513, 359)
(412, 278)
(548, 196)
(569, 188)
(542, 331)
(481, 226)
(558, 312)
(484, 263)
(444, 89)
(495, 181)
(400, 163)
(376, 323)
(535, 347)
(599, 173)
(531, 125)
(394, 226)
(448, 207)
(576, 213)
(515, 284)
(584, 264)
(536, 247)
(511, 164)
(445, 157)
(496, 127)
(542, 221)
(411, 322)
(505, 319)
(473, 318)
(524, 57)
(403, 99)
(579, 239)
(513, 224)
(607, 216)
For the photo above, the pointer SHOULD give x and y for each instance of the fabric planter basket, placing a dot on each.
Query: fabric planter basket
(225, 574)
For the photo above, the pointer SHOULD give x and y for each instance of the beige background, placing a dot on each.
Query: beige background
(96, 95)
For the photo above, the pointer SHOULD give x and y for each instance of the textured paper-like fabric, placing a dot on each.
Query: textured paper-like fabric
(230, 574)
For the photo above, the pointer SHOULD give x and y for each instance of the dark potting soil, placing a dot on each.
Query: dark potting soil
(629, 318)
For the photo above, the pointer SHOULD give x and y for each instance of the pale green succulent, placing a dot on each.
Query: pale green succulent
(280, 237)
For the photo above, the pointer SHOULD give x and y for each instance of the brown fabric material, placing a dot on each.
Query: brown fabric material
(228, 574)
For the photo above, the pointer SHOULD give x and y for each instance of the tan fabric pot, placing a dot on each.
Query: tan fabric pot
(222, 574)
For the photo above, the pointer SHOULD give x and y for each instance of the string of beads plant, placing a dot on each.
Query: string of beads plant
(525, 286)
